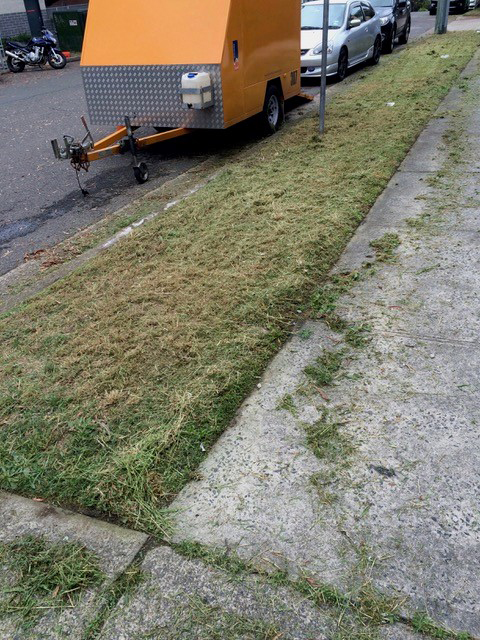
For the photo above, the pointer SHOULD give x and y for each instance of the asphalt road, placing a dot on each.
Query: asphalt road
(40, 203)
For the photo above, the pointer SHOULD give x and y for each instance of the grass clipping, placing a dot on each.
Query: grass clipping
(49, 576)
(115, 382)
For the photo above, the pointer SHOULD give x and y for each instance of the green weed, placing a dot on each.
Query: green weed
(305, 334)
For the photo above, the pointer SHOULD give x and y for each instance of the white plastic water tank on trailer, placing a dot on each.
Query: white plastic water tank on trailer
(197, 90)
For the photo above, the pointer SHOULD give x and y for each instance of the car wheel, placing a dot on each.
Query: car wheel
(342, 66)
(389, 43)
(433, 12)
(377, 50)
(273, 110)
(15, 66)
(403, 39)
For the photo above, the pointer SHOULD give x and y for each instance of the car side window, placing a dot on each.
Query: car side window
(356, 12)
(368, 11)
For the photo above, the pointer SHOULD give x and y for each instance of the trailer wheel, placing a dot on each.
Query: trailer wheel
(141, 173)
(273, 110)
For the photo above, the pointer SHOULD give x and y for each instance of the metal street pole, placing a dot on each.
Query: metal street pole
(323, 81)
(442, 16)
(3, 62)
(34, 15)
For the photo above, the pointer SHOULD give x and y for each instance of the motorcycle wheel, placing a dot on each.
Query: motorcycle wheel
(56, 60)
(15, 66)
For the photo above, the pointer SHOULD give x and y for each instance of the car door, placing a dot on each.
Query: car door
(371, 29)
(401, 15)
(356, 35)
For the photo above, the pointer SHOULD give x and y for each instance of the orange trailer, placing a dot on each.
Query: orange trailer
(179, 65)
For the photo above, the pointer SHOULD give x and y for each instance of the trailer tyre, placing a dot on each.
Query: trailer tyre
(141, 173)
(273, 110)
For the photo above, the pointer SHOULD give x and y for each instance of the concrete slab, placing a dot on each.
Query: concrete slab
(465, 23)
(114, 546)
(434, 295)
(257, 495)
(399, 632)
(403, 198)
(182, 599)
(428, 153)
(413, 501)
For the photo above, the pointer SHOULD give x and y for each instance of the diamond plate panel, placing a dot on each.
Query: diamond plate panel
(150, 95)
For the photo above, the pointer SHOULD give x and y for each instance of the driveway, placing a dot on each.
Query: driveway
(40, 202)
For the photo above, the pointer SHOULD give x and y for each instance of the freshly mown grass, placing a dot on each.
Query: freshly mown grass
(422, 623)
(195, 618)
(287, 403)
(360, 610)
(358, 335)
(325, 368)
(48, 576)
(326, 439)
(123, 587)
(115, 382)
(385, 247)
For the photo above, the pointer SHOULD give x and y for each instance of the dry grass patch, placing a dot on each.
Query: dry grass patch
(115, 382)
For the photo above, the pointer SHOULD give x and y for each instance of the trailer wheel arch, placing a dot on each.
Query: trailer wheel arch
(273, 112)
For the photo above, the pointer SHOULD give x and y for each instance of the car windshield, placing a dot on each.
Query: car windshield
(312, 16)
(381, 3)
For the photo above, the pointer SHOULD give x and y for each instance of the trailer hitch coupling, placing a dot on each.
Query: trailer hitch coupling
(75, 151)
(121, 141)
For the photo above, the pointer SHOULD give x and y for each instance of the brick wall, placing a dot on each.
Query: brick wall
(12, 24)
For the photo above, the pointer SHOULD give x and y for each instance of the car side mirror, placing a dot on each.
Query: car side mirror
(354, 22)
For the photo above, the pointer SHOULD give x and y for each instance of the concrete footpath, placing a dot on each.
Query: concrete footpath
(353, 469)
(397, 490)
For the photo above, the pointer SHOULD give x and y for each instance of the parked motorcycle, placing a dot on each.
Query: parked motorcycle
(36, 52)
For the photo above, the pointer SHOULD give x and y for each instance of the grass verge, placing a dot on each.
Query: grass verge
(116, 381)
(48, 576)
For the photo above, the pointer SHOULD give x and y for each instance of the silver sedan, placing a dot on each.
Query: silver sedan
(354, 36)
